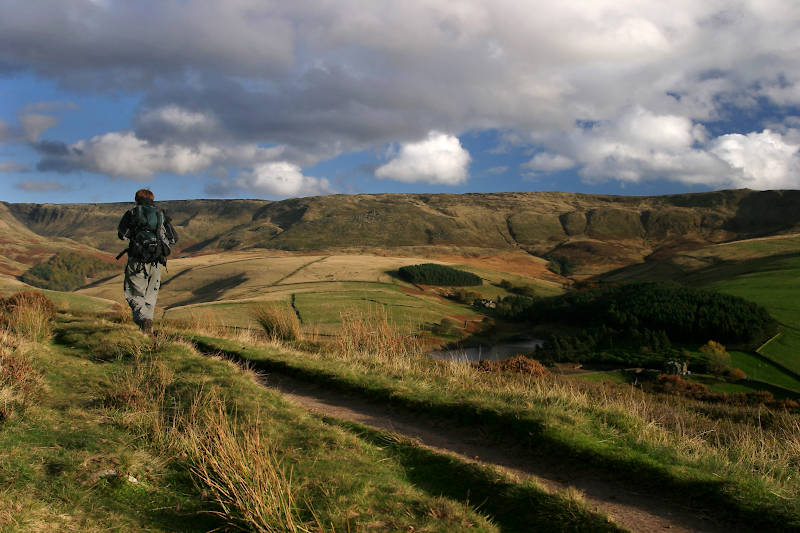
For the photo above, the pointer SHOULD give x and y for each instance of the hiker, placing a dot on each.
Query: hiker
(150, 234)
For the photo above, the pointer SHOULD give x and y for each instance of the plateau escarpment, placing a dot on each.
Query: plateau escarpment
(597, 233)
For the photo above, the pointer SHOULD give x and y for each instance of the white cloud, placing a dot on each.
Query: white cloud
(545, 162)
(760, 160)
(179, 118)
(125, 155)
(122, 154)
(641, 146)
(281, 179)
(322, 78)
(438, 159)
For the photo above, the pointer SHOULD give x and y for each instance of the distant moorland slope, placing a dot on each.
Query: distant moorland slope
(597, 233)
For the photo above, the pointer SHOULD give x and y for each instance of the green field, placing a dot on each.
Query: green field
(321, 306)
(774, 284)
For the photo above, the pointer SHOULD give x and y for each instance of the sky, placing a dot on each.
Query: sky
(275, 99)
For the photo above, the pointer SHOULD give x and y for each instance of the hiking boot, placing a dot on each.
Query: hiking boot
(147, 326)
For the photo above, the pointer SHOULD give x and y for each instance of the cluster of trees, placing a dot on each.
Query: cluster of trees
(562, 266)
(634, 323)
(433, 274)
(684, 313)
(522, 290)
(65, 271)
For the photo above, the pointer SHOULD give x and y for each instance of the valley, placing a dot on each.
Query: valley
(331, 264)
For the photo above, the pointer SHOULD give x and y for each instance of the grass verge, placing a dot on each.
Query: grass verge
(206, 439)
(739, 461)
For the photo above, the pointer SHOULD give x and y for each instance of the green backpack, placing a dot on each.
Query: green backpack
(145, 245)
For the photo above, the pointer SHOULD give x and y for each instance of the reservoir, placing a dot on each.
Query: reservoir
(496, 352)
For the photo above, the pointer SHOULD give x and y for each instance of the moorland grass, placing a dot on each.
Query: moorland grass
(724, 455)
(339, 482)
(279, 322)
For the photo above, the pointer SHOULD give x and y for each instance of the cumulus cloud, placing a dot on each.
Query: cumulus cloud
(765, 160)
(124, 155)
(40, 186)
(171, 122)
(641, 145)
(438, 159)
(281, 179)
(320, 79)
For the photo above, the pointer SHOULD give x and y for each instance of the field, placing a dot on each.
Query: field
(113, 400)
(321, 288)
(763, 270)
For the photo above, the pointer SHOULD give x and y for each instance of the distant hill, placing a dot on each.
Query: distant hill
(598, 233)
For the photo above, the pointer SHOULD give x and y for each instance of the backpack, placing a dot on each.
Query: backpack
(146, 246)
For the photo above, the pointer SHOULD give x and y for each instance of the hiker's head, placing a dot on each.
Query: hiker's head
(144, 197)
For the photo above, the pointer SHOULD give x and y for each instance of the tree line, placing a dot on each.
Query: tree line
(65, 271)
(441, 275)
(620, 320)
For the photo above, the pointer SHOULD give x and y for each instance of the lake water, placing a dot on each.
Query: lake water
(496, 352)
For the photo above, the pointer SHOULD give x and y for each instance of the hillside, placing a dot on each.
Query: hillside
(597, 233)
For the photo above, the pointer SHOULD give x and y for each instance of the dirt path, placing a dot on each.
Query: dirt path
(633, 510)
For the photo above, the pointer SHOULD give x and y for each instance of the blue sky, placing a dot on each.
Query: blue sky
(260, 99)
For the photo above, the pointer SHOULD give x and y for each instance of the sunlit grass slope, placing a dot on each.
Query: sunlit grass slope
(765, 271)
(130, 433)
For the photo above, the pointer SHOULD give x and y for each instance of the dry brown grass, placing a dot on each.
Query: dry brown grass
(237, 465)
(29, 314)
(20, 382)
(373, 337)
(232, 461)
(280, 323)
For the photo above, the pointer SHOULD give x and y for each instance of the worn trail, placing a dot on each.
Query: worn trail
(632, 509)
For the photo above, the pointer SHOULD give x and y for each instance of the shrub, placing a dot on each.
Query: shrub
(736, 374)
(466, 297)
(717, 359)
(278, 322)
(433, 274)
(518, 363)
(447, 326)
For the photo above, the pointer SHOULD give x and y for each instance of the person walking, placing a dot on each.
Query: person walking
(150, 235)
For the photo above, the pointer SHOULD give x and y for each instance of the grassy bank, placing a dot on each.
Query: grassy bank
(740, 461)
(128, 433)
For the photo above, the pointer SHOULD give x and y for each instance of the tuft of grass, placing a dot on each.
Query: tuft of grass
(280, 323)
(29, 314)
(372, 336)
(20, 382)
(237, 464)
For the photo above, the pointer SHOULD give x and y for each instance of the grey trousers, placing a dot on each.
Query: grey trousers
(141, 289)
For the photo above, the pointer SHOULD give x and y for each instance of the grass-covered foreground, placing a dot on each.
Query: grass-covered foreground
(738, 461)
(111, 430)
